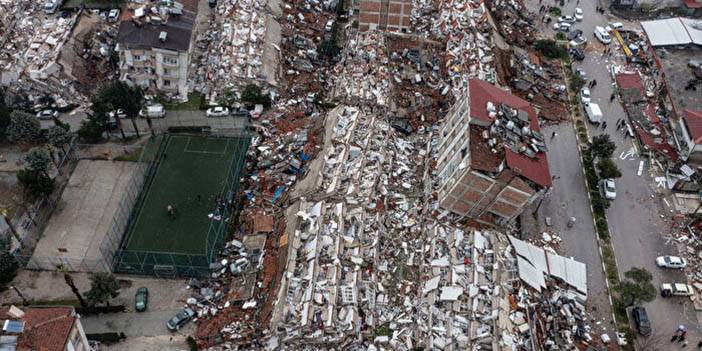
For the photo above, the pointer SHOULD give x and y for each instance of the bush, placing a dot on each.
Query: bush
(602, 228)
(106, 338)
(92, 310)
(8, 263)
(192, 344)
(253, 95)
(576, 82)
(23, 128)
(554, 11)
(35, 184)
(560, 36)
(608, 169)
(551, 49)
(91, 130)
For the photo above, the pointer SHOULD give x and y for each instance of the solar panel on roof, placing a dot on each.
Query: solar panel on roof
(13, 326)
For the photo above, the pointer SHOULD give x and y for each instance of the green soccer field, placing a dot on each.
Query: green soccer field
(190, 177)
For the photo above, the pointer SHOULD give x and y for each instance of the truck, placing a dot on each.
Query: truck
(594, 114)
(676, 289)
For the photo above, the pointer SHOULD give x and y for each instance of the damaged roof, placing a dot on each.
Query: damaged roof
(482, 92)
(693, 120)
(137, 33)
(534, 169)
(45, 328)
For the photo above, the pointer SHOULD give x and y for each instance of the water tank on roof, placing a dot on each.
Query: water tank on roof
(510, 125)
(490, 107)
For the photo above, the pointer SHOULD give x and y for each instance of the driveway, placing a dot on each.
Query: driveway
(135, 324)
(638, 219)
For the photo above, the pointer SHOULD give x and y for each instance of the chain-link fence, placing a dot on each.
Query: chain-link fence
(171, 264)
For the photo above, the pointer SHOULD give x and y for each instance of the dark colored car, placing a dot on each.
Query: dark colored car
(141, 299)
(574, 34)
(577, 54)
(180, 319)
(643, 324)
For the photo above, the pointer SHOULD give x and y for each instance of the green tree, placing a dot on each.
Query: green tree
(91, 129)
(576, 82)
(35, 184)
(103, 287)
(608, 169)
(636, 289)
(253, 95)
(551, 49)
(118, 95)
(5, 119)
(602, 146)
(58, 137)
(228, 98)
(72, 285)
(8, 263)
(38, 160)
(23, 128)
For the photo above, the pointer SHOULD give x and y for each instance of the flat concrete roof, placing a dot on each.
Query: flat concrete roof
(678, 73)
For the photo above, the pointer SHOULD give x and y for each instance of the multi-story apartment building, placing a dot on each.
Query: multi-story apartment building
(41, 328)
(390, 15)
(154, 45)
(492, 161)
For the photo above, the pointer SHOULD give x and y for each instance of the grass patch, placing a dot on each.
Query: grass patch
(196, 101)
(67, 302)
(382, 330)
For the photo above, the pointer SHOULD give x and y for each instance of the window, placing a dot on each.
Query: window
(170, 60)
(137, 58)
(166, 83)
(166, 71)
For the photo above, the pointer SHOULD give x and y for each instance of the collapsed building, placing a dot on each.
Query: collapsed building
(154, 45)
(389, 15)
(492, 156)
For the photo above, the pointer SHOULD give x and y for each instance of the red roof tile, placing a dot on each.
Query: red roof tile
(46, 329)
(693, 119)
(630, 81)
(693, 4)
(481, 156)
(534, 169)
(482, 92)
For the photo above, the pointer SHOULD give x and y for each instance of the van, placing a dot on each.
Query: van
(153, 111)
(50, 6)
(602, 35)
(594, 114)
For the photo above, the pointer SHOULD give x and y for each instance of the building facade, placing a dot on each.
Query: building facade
(491, 162)
(386, 15)
(42, 328)
(154, 50)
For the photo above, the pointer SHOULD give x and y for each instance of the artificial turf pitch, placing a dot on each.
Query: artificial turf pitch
(189, 166)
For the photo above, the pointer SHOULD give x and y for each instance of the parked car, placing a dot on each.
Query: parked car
(119, 113)
(113, 15)
(579, 41)
(50, 6)
(609, 191)
(577, 54)
(580, 72)
(141, 299)
(217, 111)
(643, 324)
(153, 111)
(47, 114)
(585, 96)
(676, 289)
(561, 26)
(567, 19)
(574, 34)
(579, 15)
(180, 319)
(594, 113)
(612, 26)
(671, 262)
(329, 25)
(602, 35)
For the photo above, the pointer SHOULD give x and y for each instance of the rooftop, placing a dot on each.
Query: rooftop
(505, 130)
(693, 119)
(143, 27)
(678, 74)
(45, 328)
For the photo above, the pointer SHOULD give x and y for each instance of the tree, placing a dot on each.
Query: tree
(8, 263)
(253, 95)
(118, 95)
(608, 169)
(4, 115)
(23, 128)
(602, 146)
(91, 129)
(103, 287)
(8, 221)
(71, 284)
(38, 160)
(637, 288)
(576, 82)
(551, 49)
(228, 98)
(59, 136)
(35, 184)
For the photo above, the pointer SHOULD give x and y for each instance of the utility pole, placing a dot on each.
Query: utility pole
(24, 299)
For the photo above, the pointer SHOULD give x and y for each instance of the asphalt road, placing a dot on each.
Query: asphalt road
(148, 323)
(637, 218)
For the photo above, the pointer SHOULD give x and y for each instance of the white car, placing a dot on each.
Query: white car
(676, 289)
(47, 114)
(615, 25)
(567, 19)
(585, 96)
(218, 111)
(579, 41)
(602, 35)
(561, 26)
(113, 15)
(608, 189)
(671, 262)
(578, 14)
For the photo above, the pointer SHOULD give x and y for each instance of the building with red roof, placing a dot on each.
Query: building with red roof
(691, 132)
(492, 156)
(41, 329)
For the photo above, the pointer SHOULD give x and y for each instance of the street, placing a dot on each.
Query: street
(637, 218)
(148, 323)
